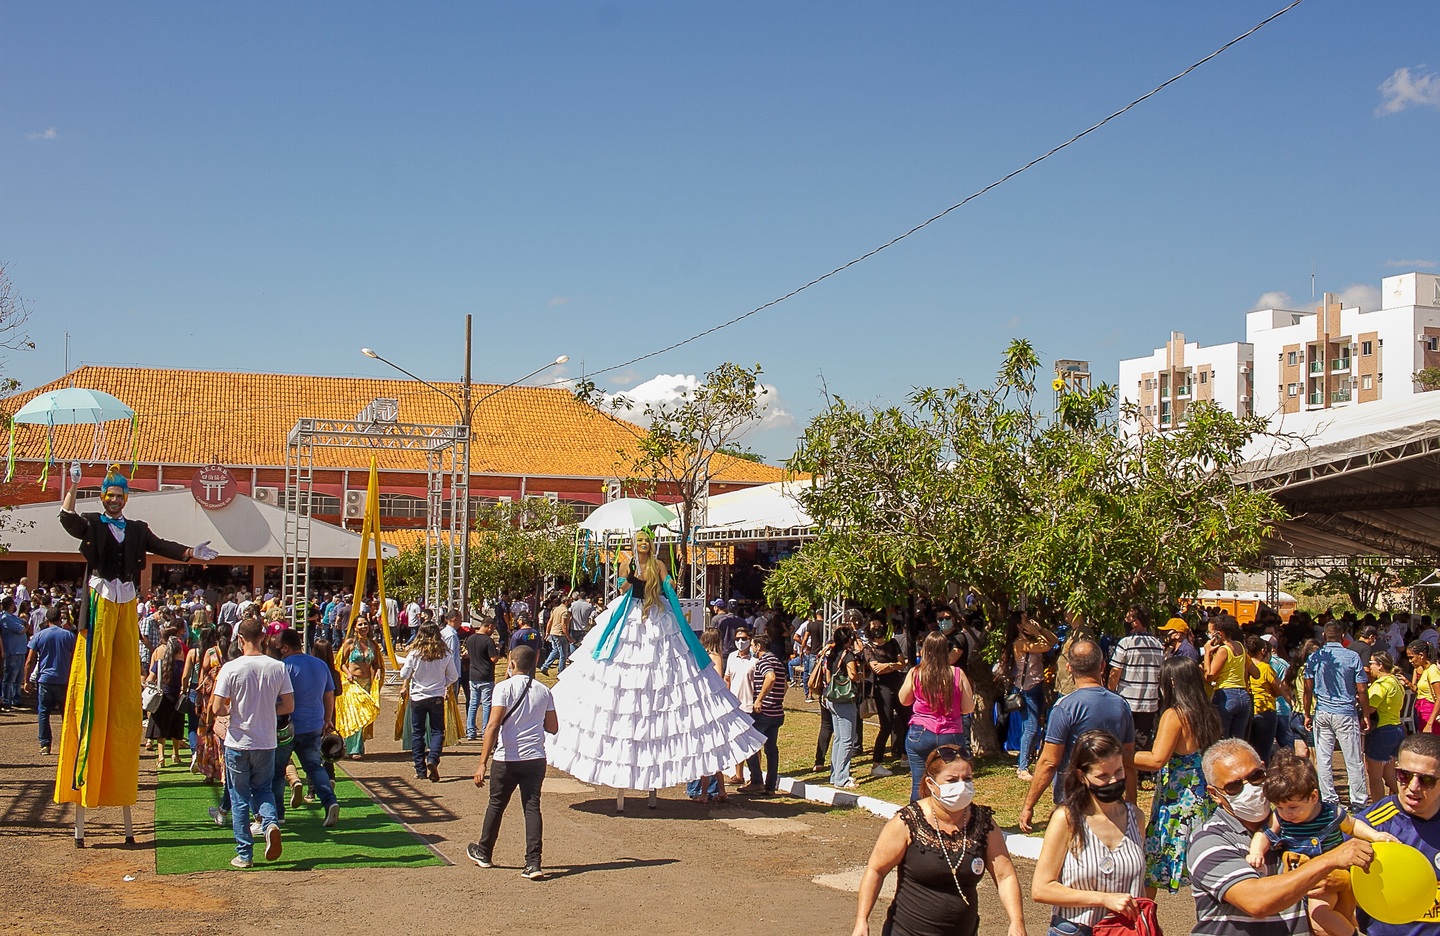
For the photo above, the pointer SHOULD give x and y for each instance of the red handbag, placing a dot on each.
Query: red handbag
(1146, 922)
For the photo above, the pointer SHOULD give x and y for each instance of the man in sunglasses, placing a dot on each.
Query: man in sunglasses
(1232, 898)
(1414, 818)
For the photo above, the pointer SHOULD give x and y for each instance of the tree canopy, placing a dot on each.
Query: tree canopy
(986, 489)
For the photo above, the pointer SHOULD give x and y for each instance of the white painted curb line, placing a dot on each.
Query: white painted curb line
(1021, 846)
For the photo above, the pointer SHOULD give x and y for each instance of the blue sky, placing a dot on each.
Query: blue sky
(269, 186)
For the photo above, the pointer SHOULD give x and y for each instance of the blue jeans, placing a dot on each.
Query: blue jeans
(14, 678)
(248, 775)
(1030, 722)
(307, 747)
(1263, 727)
(846, 718)
(1235, 707)
(1334, 730)
(421, 712)
(708, 786)
(807, 663)
(480, 693)
(918, 744)
(51, 698)
(559, 652)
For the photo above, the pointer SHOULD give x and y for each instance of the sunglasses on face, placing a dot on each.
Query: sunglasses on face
(1427, 782)
(947, 753)
(1254, 778)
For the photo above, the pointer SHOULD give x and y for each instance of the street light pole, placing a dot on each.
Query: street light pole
(465, 412)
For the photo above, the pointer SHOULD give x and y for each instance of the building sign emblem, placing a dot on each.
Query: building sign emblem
(214, 487)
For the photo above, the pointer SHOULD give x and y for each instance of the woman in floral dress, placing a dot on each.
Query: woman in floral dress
(1188, 725)
(209, 756)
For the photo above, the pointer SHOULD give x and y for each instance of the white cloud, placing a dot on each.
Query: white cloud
(1402, 89)
(1357, 295)
(559, 301)
(49, 133)
(1275, 299)
(1362, 296)
(1412, 264)
(666, 390)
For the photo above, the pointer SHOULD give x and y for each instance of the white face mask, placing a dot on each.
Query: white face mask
(953, 796)
(743, 643)
(1249, 805)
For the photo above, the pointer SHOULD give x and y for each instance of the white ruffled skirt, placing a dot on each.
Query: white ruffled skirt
(649, 717)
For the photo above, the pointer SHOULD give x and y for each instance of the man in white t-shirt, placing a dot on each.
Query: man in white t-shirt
(254, 690)
(521, 713)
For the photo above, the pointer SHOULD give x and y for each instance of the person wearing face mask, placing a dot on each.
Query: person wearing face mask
(1092, 863)
(943, 845)
(739, 667)
(1231, 897)
(886, 663)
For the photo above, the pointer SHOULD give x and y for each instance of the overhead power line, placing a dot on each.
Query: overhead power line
(960, 204)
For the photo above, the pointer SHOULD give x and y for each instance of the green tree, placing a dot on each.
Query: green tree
(984, 490)
(682, 439)
(1427, 378)
(516, 545)
(14, 315)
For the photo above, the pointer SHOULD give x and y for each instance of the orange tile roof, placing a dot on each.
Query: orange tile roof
(189, 417)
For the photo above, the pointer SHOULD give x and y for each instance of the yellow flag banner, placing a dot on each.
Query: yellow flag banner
(370, 530)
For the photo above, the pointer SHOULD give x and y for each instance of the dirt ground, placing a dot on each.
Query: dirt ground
(680, 868)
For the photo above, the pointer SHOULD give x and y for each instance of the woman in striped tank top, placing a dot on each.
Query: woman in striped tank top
(1093, 860)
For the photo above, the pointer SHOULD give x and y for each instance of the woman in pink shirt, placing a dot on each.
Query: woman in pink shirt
(941, 696)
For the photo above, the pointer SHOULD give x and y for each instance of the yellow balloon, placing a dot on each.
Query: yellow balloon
(1399, 887)
(1058, 383)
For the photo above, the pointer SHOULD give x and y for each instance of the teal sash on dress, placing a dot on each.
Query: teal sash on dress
(609, 641)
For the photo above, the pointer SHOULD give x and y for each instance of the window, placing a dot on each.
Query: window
(1204, 375)
(1292, 390)
(1292, 358)
(1367, 348)
(404, 505)
(1367, 383)
(319, 503)
(1432, 343)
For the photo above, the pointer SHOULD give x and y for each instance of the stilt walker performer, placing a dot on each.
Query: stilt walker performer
(640, 706)
(100, 738)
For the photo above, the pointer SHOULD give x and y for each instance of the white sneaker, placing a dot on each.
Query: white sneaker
(332, 815)
(220, 816)
(241, 863)
(257, 828)
(878, 771)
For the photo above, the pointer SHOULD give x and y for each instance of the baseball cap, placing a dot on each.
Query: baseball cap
(1175, 624)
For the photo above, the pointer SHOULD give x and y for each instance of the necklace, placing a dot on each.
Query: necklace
(955, 865)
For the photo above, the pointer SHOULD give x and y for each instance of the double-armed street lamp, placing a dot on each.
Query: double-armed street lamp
(464, 412)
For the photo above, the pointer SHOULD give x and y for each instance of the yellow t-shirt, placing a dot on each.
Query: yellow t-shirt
(1262, 688)
(1427, 683)
(1387, 697)
(1232, 674)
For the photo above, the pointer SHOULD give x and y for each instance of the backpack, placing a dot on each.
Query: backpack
(841, 687)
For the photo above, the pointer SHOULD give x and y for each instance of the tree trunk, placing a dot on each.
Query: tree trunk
(983, 730)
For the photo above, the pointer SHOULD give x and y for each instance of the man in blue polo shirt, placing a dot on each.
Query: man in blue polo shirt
(1414, 818)
(1335, 681)
(314, 713)
(50, 652)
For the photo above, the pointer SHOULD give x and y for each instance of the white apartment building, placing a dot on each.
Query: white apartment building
(1334, 356)
(1162, 384)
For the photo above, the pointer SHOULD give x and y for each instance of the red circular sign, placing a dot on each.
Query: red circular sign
(214, 487)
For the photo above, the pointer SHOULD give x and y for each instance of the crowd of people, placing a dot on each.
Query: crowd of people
(1234, 728)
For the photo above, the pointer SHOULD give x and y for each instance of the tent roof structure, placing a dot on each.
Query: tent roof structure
(1362, 480)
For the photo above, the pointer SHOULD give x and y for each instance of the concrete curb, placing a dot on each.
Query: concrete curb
(1021, 846)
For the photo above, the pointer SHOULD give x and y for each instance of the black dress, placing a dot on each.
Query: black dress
(927, 901)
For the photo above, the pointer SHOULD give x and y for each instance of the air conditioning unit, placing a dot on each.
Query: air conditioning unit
(552, 496)
(266, 495)
(504, 498)
(355, 505)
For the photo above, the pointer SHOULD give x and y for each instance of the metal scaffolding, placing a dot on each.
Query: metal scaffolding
(446, 449)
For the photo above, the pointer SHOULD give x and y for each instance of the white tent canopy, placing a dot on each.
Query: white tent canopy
(243, 529)
(768, 511)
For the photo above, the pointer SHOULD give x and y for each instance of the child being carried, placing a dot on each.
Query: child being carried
(1304, 827)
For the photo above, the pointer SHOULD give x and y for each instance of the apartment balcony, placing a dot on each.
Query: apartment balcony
(1340, 396)
(1164, 393)
(1317, 367)
(1340, 365)
(1315, 399)
(1183, 392)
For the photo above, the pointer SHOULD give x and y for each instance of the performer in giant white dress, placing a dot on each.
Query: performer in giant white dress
(641, 706)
